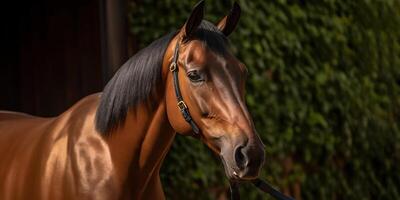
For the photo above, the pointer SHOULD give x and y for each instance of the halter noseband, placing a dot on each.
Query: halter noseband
(234, 186)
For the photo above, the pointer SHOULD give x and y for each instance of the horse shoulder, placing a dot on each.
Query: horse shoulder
(90, 157)
(55, 158)
(84, 152)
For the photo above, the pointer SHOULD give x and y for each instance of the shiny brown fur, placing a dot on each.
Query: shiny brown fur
(66, 157)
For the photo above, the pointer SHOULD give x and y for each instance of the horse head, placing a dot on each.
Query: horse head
(211, 82)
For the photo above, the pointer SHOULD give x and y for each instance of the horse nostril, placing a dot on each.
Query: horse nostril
(240, 158)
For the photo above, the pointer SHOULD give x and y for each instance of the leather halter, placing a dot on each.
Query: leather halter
(181, 104)
(234, 186)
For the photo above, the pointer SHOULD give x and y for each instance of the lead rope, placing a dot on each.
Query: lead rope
(267, 188)
(260, 184)
(234, 186)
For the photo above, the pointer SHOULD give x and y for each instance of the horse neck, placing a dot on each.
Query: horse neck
(139, 146)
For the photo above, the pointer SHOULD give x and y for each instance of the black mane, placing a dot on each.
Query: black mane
(135, 80)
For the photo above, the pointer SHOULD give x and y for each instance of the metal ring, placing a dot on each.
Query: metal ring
(182, 105)
(172, 67)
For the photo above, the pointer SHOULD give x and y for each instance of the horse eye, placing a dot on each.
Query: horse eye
(194, 76)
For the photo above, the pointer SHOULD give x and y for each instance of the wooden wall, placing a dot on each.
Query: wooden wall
(56, 52)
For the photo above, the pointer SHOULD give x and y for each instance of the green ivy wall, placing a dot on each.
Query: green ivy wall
(324, 91)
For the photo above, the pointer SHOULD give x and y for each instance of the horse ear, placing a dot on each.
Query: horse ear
(227, 24)
(194, 20)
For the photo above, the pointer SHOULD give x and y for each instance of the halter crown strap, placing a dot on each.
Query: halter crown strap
(181, 104)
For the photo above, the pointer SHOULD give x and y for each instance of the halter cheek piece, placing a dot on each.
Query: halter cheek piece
(181, 104)
(234, 186)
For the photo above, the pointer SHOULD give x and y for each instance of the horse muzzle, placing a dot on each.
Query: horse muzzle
(243, 160)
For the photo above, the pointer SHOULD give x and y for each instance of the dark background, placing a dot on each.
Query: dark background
(56, 52)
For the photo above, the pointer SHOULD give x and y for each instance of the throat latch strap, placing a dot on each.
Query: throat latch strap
(181, 104)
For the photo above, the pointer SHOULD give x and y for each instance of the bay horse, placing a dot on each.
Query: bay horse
(111, 145)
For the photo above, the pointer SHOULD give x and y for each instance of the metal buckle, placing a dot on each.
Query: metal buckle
(172, 67)
(182, 105)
